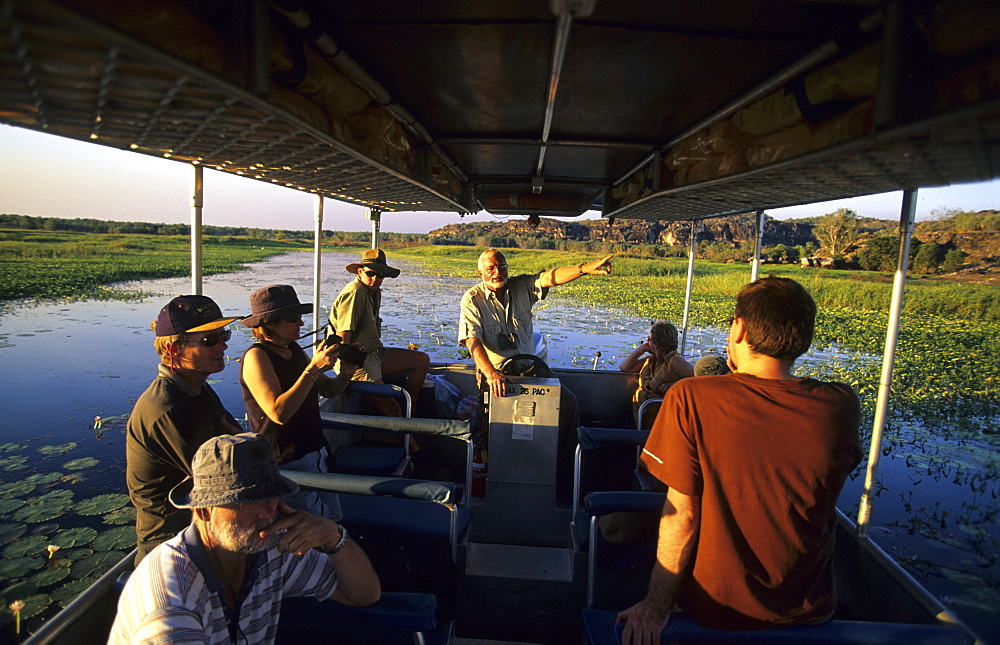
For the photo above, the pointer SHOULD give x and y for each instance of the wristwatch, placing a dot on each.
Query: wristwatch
(341, 543)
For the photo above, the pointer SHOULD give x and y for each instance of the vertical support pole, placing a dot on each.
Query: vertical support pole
(318, 267)
(375, 215)
(890, 73)
(907, 216)
(197, 202)
(758, 245)
(692, 247)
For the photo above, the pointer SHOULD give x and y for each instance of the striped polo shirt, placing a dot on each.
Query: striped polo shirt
(175, 596)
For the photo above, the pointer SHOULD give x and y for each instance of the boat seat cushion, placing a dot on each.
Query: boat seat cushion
(600, 629)
(411, 517)
(368, 460)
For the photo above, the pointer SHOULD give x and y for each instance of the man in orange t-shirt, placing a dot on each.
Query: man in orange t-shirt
(755, 461)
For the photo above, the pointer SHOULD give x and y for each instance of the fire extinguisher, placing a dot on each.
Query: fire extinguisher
(479, 467)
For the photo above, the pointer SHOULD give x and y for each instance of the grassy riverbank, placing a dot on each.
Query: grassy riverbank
(49, 265)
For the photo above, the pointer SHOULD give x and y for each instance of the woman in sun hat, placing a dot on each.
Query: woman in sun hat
(355, 317)
(281, 388)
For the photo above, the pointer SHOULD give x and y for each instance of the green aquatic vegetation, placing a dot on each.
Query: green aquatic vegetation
(66, 593)
(68, 556)
(124, 515)
(81, 464)
(57, 450)
(16, 489)
(19, 567)
(33, 545)
(8, 505)
(34, 513)
(43, 479)
(96, 564)
(10, 532)
(49, 576)
(101, 504)
(77, 536)
(17, 462)
(122, 537)
(12, 447)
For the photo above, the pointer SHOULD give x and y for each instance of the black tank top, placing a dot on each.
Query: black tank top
(304, 431)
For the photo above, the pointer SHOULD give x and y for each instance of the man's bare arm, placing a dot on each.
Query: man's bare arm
(677, 537)
(496, 380)
(562, 275)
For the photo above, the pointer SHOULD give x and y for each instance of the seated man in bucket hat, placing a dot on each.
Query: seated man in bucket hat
(176, 414)
(224, 578)
(355, 317)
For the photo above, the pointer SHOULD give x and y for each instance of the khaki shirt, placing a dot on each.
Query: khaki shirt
(485, 317)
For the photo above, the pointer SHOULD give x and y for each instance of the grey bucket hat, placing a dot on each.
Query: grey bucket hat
(230, 469)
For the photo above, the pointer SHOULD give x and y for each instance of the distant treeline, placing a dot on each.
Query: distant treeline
(81, 225)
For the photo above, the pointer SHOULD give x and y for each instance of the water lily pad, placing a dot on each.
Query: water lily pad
(41, 479)
(80, 464)
(72, 478)
(77, 536)
(34, 546)
(121, 537)
(67, 557)
(49, 576)
(15, 462)
(44, 529)
(101, 504)
(11, 447)
(66, 593)
(19, 567)
(17, 591)
(55, 495)
(56, 450)
(8, 505)
(34, 605)
(124, 515)
(10, 532)
(96, 565)
(42, 510)
(16, 489)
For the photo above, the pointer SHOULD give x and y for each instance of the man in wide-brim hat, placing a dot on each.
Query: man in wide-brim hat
(176, 413)
(225, 577)
(355, 317)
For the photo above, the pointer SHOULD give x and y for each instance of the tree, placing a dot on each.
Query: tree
(926, 258)
(879, 254)
(953, 260)
(837, 231)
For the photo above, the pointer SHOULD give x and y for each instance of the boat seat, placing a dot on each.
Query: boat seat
(591, 438)
(369, 460)
(629, 564)
(600, 629)
(396, 619)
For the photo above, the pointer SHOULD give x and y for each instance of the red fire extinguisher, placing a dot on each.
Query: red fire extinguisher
(479, 467)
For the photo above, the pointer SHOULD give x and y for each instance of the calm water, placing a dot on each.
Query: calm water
(65, 364)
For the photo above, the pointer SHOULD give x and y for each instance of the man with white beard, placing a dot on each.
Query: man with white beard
(223, 579)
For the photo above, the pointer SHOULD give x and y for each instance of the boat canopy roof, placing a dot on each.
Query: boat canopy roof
(644, 109)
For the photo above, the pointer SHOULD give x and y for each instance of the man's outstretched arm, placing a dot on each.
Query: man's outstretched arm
(678, 534)
(562, 275)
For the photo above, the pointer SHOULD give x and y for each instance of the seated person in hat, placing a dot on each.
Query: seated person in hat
(224, 578)
(355, 317)
(175, 414)
(658, 365)
(281, 388)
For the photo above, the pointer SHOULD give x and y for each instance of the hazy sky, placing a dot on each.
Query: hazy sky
(48, 176)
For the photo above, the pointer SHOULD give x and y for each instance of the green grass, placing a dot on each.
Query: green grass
(49, 265)
(946, 370)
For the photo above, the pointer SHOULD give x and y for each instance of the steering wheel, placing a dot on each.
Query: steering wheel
(538, 367)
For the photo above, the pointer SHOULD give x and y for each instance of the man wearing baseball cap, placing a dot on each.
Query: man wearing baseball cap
(224, 577)
(175, 414)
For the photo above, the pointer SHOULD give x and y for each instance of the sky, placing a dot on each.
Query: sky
(49, 176)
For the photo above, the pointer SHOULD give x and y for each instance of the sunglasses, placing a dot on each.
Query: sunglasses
(370, 273)
(212, 339)
(294, 319)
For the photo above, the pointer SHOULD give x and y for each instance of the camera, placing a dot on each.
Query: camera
(352, 354)
(506, 342)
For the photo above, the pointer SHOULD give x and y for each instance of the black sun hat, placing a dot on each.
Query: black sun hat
(274, 302)
(191, 314)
